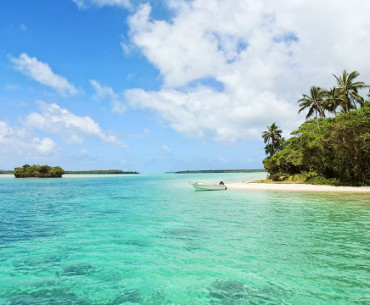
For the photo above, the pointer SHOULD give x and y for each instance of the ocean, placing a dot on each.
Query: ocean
(152, 239)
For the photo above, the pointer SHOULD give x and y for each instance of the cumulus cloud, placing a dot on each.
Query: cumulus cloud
(42, 73)
(72, 128)
(20, 141)
(232, 67)
(101, 3)
(107, 93)
(226, 117)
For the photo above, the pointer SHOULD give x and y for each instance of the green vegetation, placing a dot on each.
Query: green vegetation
(38, 171)
(100, 172)
(273, 140)
(333, 151)
(313, 103)
(223, 171)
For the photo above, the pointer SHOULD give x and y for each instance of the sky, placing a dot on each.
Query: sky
(160, 86)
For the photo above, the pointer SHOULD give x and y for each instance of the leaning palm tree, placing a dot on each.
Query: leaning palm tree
(272, 137)
(349, 89)
(332, 99)
(314, 103)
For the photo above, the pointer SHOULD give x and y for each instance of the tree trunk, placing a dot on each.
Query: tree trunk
(317, 120)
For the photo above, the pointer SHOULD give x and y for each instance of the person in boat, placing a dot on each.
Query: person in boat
(221, 183)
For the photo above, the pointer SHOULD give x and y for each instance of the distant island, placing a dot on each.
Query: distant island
(38, 171)
(220, 171)
(103, 172)
(43, 171)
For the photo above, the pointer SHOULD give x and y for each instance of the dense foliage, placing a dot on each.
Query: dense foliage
(338, 150)
(332, 150)
(38, 171)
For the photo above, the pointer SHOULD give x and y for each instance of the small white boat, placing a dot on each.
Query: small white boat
(198, 186)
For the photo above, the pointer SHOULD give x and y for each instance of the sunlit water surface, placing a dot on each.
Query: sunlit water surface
(152, 239)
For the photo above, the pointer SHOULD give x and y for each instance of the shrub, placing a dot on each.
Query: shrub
(324, 181)
(304, 176)
(279, 177)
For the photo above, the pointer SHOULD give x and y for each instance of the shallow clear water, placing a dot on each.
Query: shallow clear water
(151, 239)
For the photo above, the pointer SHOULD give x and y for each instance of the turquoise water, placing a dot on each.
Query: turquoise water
(151, 239)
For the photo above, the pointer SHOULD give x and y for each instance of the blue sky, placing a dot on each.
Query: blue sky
(160, 86)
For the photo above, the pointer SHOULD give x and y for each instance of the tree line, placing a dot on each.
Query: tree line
(325, 150)
(40, 170)
(102, 172)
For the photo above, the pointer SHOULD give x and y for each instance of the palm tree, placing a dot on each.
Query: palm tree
(332, 99)
(273, 139)
(314, 103)
(349, 90)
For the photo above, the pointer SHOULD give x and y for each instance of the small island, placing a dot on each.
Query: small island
(38, 171)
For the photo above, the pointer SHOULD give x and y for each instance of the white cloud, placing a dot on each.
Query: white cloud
(101, 3)
(46, 145)
(261, 54)
(107, 93)
(20, 141)
(72, 128)
(103, 92)
(127, 48)
(226, 117)
(42, 73)
(166, 148)
(5, 130)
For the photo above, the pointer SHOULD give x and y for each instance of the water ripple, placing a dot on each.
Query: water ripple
(153, 240)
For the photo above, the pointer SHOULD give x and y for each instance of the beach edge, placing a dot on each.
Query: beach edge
(297, 187)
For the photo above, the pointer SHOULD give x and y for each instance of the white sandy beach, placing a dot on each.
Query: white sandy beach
(297, 187)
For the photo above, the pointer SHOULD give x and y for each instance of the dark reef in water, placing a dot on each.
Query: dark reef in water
(183, 233)
(78, 268)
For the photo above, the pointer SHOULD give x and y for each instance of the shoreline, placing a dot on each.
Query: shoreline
(297, 187)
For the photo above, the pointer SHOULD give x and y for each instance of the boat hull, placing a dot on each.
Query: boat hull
(209, 187)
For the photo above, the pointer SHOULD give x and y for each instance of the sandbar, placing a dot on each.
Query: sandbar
(297, 187)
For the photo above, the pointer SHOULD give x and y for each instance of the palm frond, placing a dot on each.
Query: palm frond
(310, 112)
